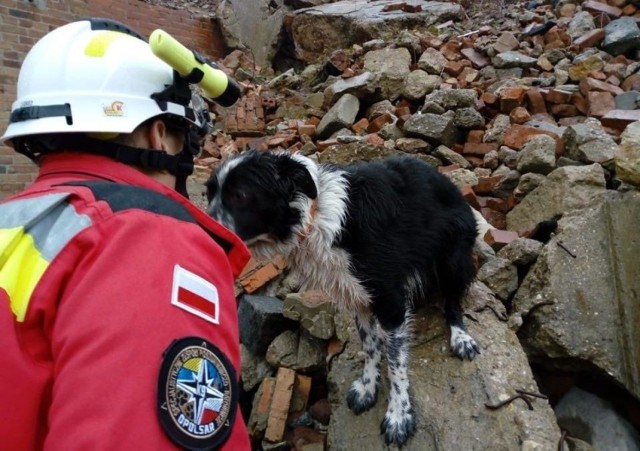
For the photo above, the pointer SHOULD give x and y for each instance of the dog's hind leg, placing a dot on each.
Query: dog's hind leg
(364, 391)
(455, 276)
(399, 422)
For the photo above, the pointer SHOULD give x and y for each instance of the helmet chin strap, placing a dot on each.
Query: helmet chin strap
(180, 165)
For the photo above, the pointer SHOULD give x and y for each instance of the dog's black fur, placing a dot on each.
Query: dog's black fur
(378, 237)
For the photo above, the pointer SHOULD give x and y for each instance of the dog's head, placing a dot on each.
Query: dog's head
(263, 197)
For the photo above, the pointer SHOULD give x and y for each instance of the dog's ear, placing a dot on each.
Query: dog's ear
(297, 177)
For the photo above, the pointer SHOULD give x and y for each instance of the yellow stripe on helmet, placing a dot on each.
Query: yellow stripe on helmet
(99, 44)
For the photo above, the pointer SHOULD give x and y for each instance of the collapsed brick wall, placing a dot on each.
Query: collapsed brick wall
(23, 22)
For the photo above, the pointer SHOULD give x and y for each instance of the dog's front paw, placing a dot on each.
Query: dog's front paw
(463, 345)
(398, 427)
(361, 398)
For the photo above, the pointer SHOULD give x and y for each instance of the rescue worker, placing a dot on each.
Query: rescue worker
(117, 310)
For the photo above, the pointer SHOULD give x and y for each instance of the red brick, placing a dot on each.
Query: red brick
(596, 7)
(564, 110)
(591, 84)
(453, 68)
(262, 403)
(579, 101)
(255, 275)
(511, 98)
(470, 196)
(497, 239)
(300, 396)
(477, 59)
(495, 218)
(557, 96)
(307, 129)
(360, 126)
(590, 39)
(376, 124)
(279, 411)
(619, 119)
(600, 103)
(486, 184)
(535, 101)
(478, 149)
(475, 136)
(517, 135)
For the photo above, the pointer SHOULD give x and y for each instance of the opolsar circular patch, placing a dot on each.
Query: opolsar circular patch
(197, 394)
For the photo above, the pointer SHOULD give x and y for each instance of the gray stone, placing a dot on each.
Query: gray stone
(580, 24)
(508, 157)
(511, 59)
(254, 369)
(629, 100)
(621, 35)
(340, 115)
(412, 145)
(501, 276)
(507, 184)
(521, 251)
(497, 129)
(297, 351)
(318, 31)
(537, 155)
(565, 189)
(527, 183)
(592, 320)
(461, 177)
(588, 142)
(418, 84)
(436, 129)
(260, 320)
(595, 420)
(449, 156)
(468, 118)
(391, 67)
(352, 152)
(452, 99)
(253, 25)
(315, 313)
(361, 86)
(448, 395)
(432, 61)
(627, 155)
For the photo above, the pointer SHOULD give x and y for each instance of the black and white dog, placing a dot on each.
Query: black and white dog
(376, 237)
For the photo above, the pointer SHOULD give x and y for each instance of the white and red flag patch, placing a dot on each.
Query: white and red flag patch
(195, 295)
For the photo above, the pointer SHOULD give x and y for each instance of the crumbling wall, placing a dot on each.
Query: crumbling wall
(23, 22)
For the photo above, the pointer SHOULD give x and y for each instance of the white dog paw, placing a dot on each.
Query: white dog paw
(398, 427)
(463, 345)
(361, 398)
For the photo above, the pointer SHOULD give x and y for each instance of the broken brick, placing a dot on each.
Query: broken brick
(600, 103)
(279, 411)
(498, 239)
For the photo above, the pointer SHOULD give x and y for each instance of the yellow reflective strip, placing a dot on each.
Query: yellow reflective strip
(99, 44)
(21, 267)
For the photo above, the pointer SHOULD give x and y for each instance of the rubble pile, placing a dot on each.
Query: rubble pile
(533, 110)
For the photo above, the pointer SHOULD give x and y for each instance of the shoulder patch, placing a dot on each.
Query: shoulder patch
(197, 394)
(194, 294)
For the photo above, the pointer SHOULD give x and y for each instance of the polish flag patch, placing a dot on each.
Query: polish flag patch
(195, 295)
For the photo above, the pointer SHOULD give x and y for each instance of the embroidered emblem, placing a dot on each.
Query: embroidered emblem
(197, 394)
(195, 295)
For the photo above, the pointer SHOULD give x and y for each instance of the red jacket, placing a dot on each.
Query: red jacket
(117, 315)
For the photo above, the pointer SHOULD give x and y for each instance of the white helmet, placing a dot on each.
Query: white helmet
(93, 76)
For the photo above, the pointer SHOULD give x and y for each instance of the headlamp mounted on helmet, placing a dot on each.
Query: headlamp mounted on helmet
(99, 77)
